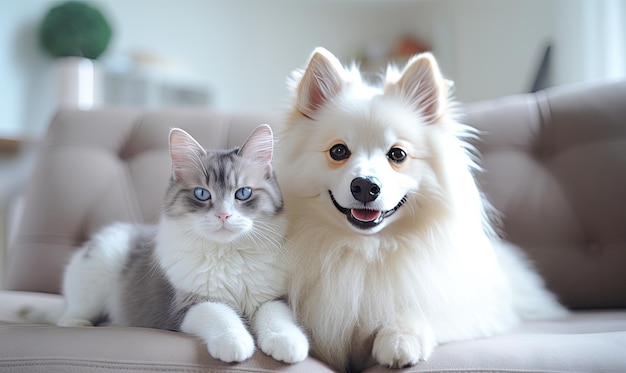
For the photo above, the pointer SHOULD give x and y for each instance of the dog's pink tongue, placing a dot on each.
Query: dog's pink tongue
(365, 215)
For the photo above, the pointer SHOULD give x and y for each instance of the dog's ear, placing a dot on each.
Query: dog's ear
(321, 81)
(422, 84)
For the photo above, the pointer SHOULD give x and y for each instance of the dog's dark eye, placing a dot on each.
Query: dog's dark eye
(396, 155)
(339, 152)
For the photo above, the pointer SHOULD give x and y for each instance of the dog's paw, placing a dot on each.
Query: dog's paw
(398, 349)
(237, 346)
(290, 346)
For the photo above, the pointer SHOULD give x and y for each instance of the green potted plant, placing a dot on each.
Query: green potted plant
(74, 28)
(77, 33)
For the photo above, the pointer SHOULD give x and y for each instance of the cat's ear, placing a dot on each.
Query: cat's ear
(321, 80)
(185, 152)
(259, 146)
(423, 86)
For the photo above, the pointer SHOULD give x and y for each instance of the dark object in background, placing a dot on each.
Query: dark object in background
(541, 79)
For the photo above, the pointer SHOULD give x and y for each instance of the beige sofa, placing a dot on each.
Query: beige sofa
(555, 165)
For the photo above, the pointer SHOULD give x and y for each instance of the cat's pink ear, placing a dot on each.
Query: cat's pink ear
(321, 80)
(185, 152)
(423, 86)
(259, 146)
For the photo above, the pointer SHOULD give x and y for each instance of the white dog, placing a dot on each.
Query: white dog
(390, 238)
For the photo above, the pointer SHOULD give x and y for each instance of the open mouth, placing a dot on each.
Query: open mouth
(365, 218)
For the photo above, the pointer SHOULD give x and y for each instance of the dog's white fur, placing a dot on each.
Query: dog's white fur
(430, 273)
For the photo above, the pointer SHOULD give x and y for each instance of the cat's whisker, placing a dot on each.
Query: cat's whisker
(270, 234)
(270, 227)
(267, 233)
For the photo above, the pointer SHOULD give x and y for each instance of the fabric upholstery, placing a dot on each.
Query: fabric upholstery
(554, 165)
(570, 345)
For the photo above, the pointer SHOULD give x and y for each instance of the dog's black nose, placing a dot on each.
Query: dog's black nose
(365, 189)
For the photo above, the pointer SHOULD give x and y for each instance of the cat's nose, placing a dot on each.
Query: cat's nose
(223, 216)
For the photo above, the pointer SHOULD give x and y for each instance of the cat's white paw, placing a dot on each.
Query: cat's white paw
(237, 346)
(398, 349)
(48, 315)
(221, 328)
(290, 346)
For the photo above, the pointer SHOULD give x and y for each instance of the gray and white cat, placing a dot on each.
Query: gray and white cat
(214, 257)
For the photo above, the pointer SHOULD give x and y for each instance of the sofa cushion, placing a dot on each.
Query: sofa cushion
(48, 348)
(590, 341)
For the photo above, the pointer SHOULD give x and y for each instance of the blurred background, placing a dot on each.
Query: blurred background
(237, 54)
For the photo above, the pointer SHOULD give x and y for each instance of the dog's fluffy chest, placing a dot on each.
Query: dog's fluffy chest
(348, 302)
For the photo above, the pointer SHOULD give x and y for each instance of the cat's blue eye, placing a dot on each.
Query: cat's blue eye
(243, 194)
(202, 194)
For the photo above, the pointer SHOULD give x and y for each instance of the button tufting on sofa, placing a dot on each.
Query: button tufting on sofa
(554, 165)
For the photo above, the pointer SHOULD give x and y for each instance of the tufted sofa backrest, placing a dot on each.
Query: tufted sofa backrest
(97, 167)
(554, 165)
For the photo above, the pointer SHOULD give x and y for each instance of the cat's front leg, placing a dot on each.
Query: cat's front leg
(222, 329)
(403, 344)
(278, 335)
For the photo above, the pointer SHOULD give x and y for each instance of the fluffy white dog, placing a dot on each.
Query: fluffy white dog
(390, 238)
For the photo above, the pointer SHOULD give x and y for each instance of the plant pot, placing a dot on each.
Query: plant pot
(80, 83)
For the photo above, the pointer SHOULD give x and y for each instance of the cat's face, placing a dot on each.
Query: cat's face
(222, 195)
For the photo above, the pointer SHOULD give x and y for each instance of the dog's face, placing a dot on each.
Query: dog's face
(364, 154)
(371, 165)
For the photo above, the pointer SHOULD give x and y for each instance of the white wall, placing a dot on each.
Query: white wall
(25, 76)
(494, 46)
(245, 49)
(592, 40)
